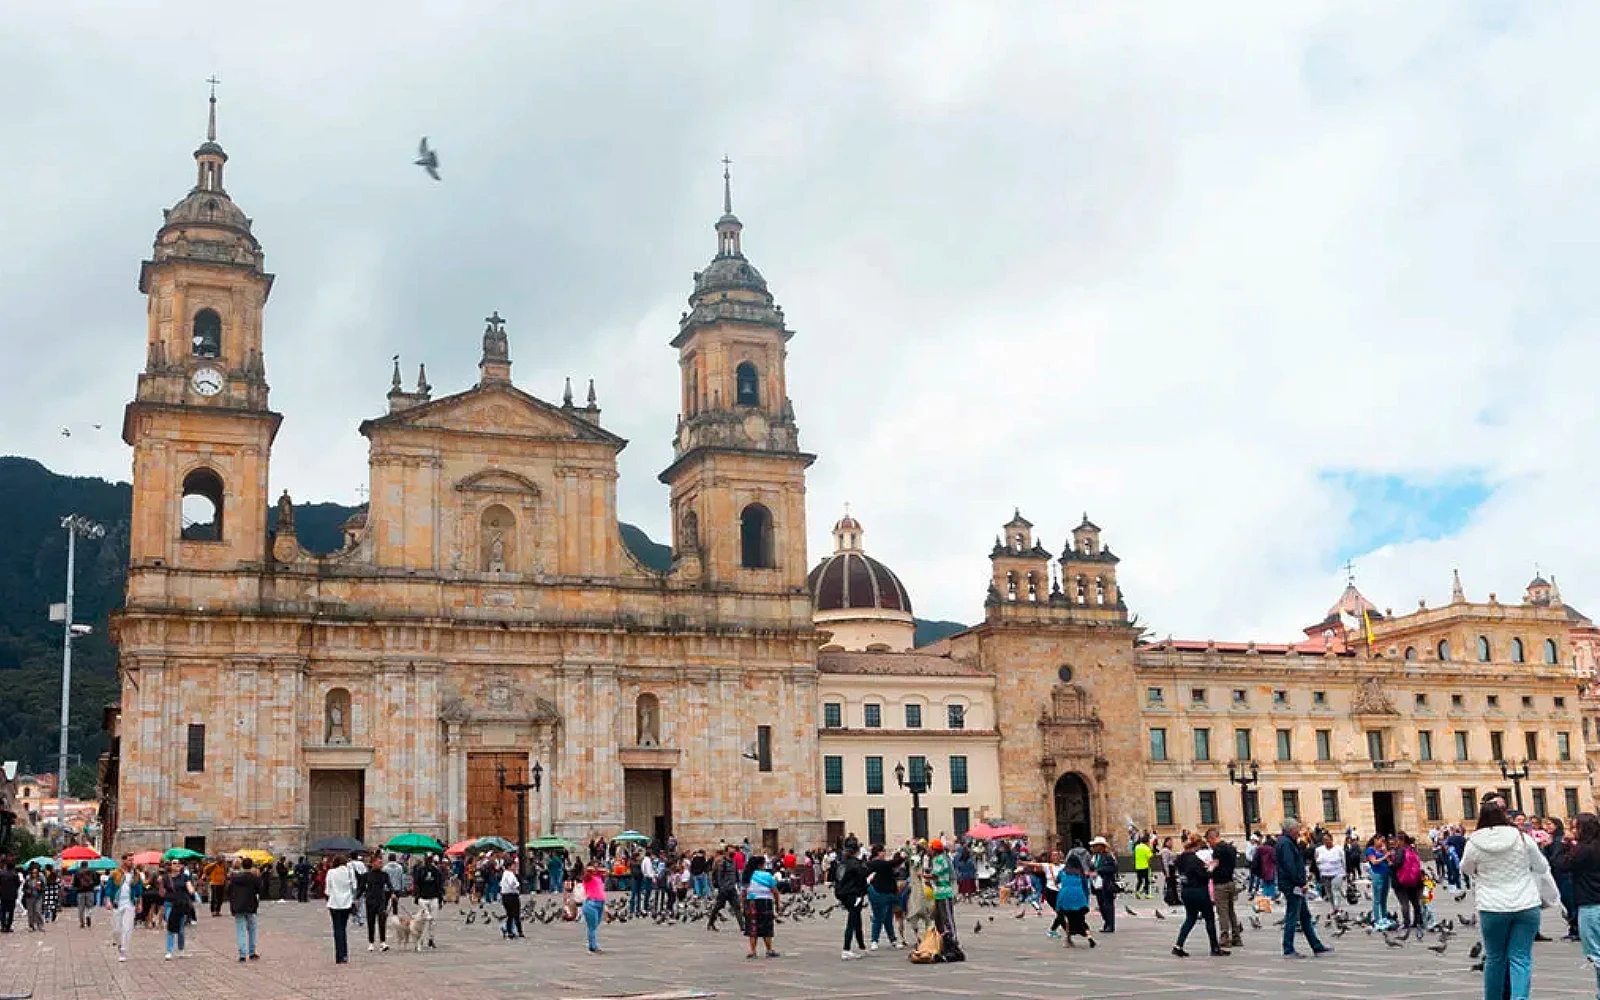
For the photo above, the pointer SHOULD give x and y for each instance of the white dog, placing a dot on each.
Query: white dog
(406, 931)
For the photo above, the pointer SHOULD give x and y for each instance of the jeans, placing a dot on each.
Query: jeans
(1589, 932)
(1225, 893)
(730, 899)
(1508, 943)
(1197, 906)
(341, 942)
(1141, 881)
(244, 930)
(85, 902)
(1380, 898)
(593, 909)
(8, 913)
(882, 904)
(176, 937)
(638, 896)
(852, 922)
(702, 886)
(558, 876)
(1107, 901)
(1298, 916)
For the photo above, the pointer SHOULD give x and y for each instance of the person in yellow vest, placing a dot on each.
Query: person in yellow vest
(216, 873)
(1141, 868)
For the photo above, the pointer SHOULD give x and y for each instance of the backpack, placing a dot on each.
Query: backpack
(1410, 872)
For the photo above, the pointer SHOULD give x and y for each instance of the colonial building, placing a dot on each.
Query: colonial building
(893, 720)
(484, 615)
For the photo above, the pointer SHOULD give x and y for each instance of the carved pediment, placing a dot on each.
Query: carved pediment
(498, 699)
(1371, 699)
(499, 410)
(498, 481)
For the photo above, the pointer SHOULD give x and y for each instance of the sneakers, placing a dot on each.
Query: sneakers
(1180, 953)
(848, 955)
(122, 958)
(168, 957)
(384, 947)
(241, 958)
(1053, 934)
(254, 957)
(873, 946)
(371, 946)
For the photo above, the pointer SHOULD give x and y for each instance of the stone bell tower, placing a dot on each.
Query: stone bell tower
(738, 475)
(199, 424)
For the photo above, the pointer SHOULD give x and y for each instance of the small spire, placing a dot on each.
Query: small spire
(566, 393)
(423, 388)
(592, 398)
(211, 122)
(394, 381)
(1457, 595)
(727, 182)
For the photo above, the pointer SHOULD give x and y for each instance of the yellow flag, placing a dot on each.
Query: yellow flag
(1366, 620)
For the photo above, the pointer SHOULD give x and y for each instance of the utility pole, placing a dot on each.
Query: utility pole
(76, 525)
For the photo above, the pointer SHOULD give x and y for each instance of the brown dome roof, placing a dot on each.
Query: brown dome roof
(851, 579)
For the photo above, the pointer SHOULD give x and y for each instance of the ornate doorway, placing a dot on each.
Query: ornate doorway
(337, 805)
(648, 800)
(1073, 824)
(490, 810)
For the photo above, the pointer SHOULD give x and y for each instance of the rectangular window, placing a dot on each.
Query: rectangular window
(913, 716)
(833, 775)
(1240, 696)
(1421, 700)
(1241, 744)
(832, 715)
(872, 716)
(1530, 743)
(875, 778)
(1202, 744)
(1252, 805)
(1424, 745)
(1158, 744)
(877, 830)
(197, 747)
(958, 775)
(1456, 701)
(1563, 746)
(917, 773)
(1208, 808)
(1527, 701)
(1330, 805)
(1285, 745)
(764, 748)
(1280, 697)
(1432, 805)
(1375, 745)
(1319, 699)
(1505, 793)
(1570, 796)
(955, 716)
(1291, 804)
(1197, 695)
(1153, 696)
(1324, 744)
(1560, 701)
(1497, 746)
(1493, 700)
(1469, 803)
(1164, 809)
(1539, 803)
(961, 820)
(1461, 745)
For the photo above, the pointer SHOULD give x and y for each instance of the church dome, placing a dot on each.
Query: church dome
(850, 579)
(208, 208)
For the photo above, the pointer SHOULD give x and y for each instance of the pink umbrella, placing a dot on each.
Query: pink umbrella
(984, 831)
(147, 858)
(460, 846)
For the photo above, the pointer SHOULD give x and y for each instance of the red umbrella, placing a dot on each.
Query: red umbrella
(460, 847)
(79, 853)
(147, 858)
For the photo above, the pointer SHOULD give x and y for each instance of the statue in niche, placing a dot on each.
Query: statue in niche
(649, 716)
(497, 555)
(497, 535)
(337, 730)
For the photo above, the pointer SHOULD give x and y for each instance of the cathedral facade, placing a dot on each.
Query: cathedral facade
(483, 625)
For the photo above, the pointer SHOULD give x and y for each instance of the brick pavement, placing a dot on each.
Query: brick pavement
(1011, 958)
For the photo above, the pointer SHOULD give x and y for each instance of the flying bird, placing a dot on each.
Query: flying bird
(66, 432)
(427, 159)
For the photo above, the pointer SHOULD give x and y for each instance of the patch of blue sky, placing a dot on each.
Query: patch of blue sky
(1388, 509)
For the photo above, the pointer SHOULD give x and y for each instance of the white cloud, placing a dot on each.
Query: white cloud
(1163, 262)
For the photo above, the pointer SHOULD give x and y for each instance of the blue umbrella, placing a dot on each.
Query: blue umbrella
(43, 862)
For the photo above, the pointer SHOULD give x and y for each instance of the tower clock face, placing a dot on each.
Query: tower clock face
(206, 381)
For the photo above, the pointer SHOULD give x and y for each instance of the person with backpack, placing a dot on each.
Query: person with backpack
(850, 889)
(84, 884)
(1406, 866)
(1264, 869)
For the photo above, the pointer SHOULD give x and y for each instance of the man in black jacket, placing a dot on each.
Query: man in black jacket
(428, 889)
(244, 899)
(1291, 861)
(725, 883)
(10, 886)
(1224, 891)
(851, 891)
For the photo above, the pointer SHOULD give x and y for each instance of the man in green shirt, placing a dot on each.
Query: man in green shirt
(1141, 869)
(943, 873)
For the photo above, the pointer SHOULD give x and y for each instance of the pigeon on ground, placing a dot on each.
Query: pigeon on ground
(1160, 915)
(1477, 967)
(1477, 949)
(1391, 942)
(1465, 921)
(977, 928)
(1130, 911)
(1255, 922)
(1439, 949)
(427, 159)
(1021, 914)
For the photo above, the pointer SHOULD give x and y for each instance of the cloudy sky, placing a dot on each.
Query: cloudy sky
(1263, 287)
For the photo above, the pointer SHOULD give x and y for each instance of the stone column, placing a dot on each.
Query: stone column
(455, 790)
(547, 759)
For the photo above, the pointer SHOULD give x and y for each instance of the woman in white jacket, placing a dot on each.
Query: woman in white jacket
(1506, 867)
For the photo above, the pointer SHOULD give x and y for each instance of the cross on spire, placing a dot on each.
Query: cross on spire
(211, 121)
(1350, 572)
(727, 186)
(494, 321)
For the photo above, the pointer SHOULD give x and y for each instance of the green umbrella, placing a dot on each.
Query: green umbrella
(493, 844)
(182, 854)
(551, 844)
(414, 843)
(43, 862)
(630, 837)
(103, 864)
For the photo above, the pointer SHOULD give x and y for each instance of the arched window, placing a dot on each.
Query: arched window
(1516, 652)
(1099, 590)
(1083, 590)
(647, 718)
(1483, 649)
(207, 338)
(497, 540)
(1444, 649)
(747, 385)
(1411, 652)
(755, 537)
(1550, 651)
(336, 712)
(1011, 584)
(1033, 586)
(690, 541)
(202, 506)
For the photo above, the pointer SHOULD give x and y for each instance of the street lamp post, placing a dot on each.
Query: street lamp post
(1515, 775)
(919, 784)
(1244, 777)
(521, 788)
(76, 525)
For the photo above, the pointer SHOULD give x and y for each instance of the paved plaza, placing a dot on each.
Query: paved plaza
(1011, 958)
